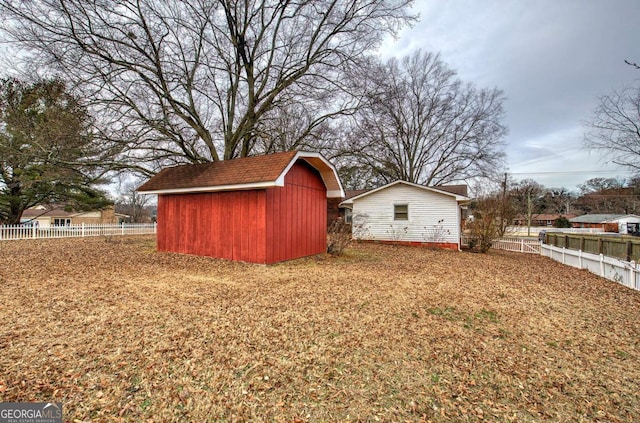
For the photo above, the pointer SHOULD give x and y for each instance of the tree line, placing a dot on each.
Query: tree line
(523, 201)
(163, 83)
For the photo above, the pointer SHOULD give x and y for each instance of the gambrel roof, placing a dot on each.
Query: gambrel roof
(240, 174)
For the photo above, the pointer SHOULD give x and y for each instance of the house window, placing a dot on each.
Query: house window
(348, 214)
(61, 222)
(400, 212)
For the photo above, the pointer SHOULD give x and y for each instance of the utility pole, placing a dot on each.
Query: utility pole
(504, 187)
(529, 213)
(503, 209)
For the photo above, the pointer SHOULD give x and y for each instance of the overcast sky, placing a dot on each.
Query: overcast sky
(551, 58)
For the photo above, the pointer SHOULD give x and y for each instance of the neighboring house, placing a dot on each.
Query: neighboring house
(336, 209)
(619, 223)
(45, 216)
(262, 209)
(342, 209)
(407, 213)
(541, 219)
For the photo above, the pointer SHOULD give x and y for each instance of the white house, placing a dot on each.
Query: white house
(620, 223)
(407, 213)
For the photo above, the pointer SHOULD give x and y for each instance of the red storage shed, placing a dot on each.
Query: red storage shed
(261, 209)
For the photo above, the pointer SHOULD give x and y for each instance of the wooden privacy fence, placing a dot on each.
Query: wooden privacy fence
(622, 247)
(75, 231)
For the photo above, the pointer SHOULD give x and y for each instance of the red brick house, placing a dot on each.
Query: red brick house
(541, 219)
(262, 209)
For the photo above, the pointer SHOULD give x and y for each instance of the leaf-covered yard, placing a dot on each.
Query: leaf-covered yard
(118, 332)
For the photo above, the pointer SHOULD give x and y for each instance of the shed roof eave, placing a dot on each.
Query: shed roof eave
(327, 171)
(232, 187)
(335, 194)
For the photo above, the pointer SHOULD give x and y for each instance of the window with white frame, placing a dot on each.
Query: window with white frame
(400, 212)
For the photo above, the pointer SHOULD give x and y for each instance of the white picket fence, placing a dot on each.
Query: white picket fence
(518, 245)
(75, 231)
(624, 272)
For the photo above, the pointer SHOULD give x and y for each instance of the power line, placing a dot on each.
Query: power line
(574, 172)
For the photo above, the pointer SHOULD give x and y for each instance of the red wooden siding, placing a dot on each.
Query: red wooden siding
(259, 226)
(227, 225)
(297, 215)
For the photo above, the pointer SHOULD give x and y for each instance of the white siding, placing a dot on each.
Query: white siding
(622, 223)
(429, 213)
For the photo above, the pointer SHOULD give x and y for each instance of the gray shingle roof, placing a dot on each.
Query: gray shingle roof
(596, 218)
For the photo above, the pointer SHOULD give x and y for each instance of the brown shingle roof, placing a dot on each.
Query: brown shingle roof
(55, 212)
(454, 189)
(353, 192)
(248, 172)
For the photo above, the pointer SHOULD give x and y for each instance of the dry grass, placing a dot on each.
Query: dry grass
(118, 332)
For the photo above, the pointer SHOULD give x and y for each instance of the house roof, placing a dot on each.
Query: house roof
(439, 190)
(54, 211)
(354, 192)
(599, 218)
(455, 189)
(546, 216)
(237, 174)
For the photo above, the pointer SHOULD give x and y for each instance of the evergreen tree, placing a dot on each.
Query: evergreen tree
(46, 150)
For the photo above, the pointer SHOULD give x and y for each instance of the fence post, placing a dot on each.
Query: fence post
(602, 265)
(579, 259)
(82, 231)
(600, 245)
(563, 249)
(521, 245)
(155, 227)
(33, 230)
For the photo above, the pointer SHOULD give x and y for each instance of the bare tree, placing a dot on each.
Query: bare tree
(491, 216)
(200, 80)
(527, 197)
(558, 200)
(614, 127)
(422, 124)
(133, 204)
(608, 195)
